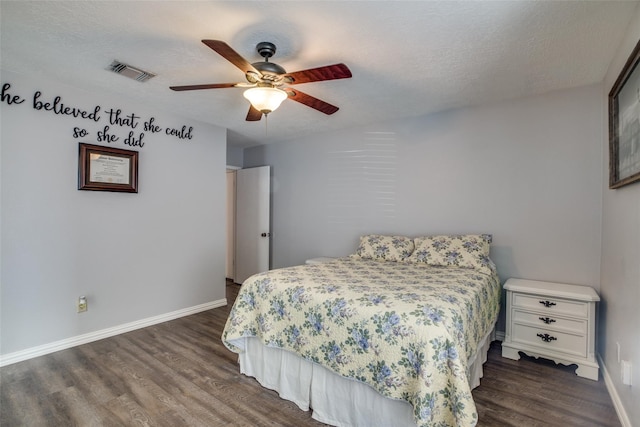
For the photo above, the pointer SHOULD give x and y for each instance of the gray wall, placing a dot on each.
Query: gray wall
(234, 155)
(526, 171)
(620, 286)
(533, 172)
(134, 256)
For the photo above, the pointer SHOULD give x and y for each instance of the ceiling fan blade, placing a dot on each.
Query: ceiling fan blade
(310, 101)
(231, 55)
(328, 72)
(253, 115)
(207, 86)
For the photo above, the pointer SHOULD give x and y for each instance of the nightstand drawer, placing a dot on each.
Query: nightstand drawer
(575, 345)
(550, 322)
(545, 305)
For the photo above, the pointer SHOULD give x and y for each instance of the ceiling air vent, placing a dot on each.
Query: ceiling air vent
(129, 71)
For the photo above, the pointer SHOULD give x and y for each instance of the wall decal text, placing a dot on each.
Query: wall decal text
(117, 125)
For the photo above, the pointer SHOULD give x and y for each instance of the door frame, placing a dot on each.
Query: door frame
(230, 266)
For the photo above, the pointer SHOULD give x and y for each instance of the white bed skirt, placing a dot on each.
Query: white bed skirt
(335, 400)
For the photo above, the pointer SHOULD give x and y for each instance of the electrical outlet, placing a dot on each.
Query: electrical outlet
(82, 304)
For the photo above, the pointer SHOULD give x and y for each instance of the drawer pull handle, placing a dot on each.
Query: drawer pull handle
(547, 337)
(546, 320)
(547, 303)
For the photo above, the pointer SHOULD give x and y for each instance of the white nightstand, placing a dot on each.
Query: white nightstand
(552, 320)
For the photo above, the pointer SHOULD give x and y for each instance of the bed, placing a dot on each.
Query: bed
(395, 334)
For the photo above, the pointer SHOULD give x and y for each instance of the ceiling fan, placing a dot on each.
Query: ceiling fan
(267, 82)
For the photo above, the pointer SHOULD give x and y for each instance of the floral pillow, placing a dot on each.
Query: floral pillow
(384, 248)
(467, 251)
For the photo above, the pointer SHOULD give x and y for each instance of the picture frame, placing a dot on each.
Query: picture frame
(624, 124)
(107, 169)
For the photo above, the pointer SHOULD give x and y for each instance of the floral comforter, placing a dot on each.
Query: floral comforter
(407, 330)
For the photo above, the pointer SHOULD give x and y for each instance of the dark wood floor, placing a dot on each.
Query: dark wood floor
(178, 373)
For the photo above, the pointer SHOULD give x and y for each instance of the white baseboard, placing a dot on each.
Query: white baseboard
(617, 403)
(41, 350)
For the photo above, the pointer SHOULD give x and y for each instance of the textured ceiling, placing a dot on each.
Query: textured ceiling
(407, 58)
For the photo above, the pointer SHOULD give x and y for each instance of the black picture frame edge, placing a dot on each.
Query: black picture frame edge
(614, 143)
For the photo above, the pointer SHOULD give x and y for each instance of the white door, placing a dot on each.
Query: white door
(252, 222)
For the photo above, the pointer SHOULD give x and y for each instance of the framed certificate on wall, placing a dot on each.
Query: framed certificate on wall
(107, 169)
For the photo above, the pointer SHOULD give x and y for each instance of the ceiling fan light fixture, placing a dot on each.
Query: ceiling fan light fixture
(265, 99)
(266, 79)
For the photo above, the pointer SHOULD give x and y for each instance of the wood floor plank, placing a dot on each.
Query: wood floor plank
(82, 411)
(127, 411)
(149, 382)
(179, 373)
(19, 405)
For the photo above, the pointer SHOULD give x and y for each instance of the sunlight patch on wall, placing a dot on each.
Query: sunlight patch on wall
(362, 180)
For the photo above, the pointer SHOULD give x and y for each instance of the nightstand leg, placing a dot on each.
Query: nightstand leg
(510, 353)
(589, 372)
